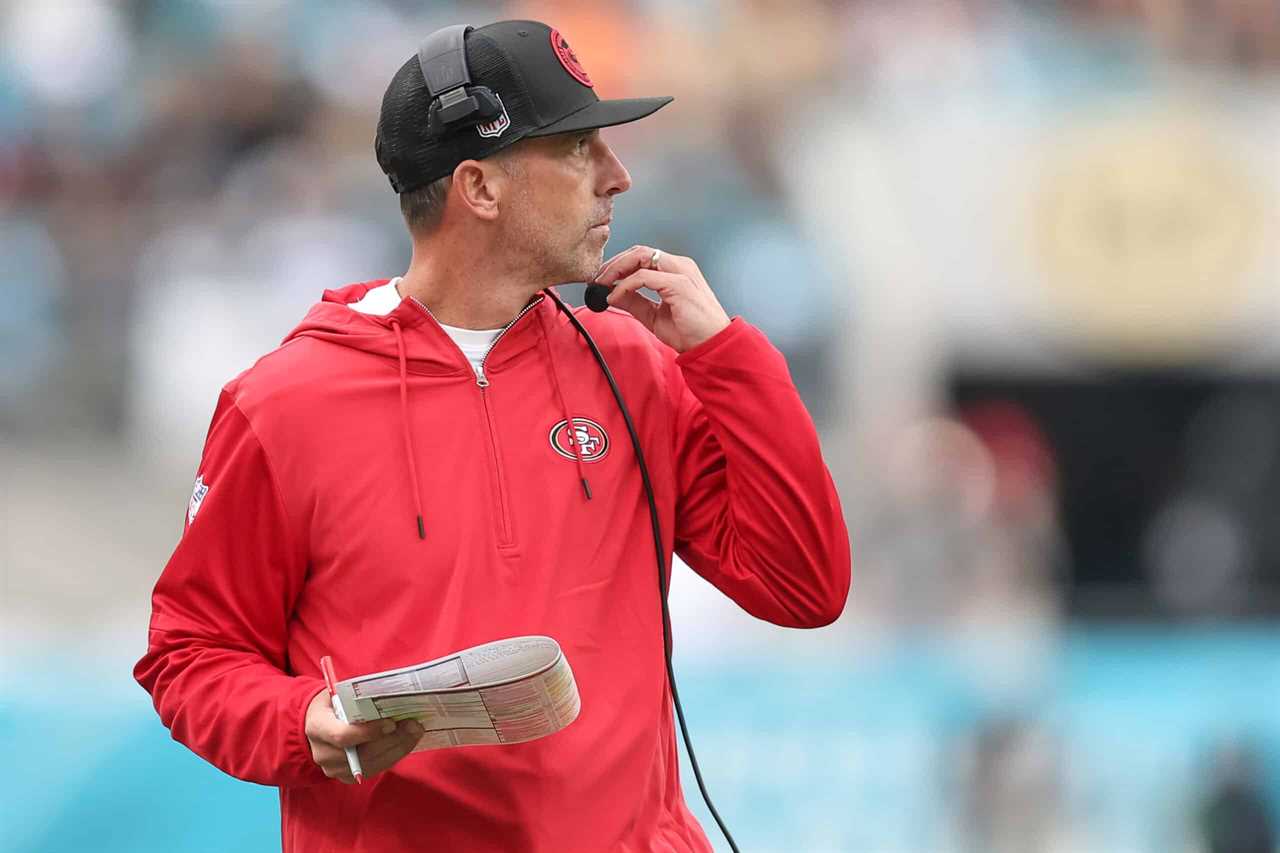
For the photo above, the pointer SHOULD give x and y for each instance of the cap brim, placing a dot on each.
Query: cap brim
(604, 114)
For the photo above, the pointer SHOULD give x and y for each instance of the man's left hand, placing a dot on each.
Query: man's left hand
(689, 312)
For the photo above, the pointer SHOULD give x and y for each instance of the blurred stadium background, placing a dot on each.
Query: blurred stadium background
(1023, 257)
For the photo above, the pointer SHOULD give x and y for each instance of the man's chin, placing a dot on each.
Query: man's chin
(581, 269)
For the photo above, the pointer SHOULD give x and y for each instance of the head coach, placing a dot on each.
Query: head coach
(439, 460)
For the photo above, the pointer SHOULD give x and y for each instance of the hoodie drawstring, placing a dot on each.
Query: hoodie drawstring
(404, 424)
(564, 408)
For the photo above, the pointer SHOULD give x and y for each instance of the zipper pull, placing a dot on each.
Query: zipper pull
(482, 381)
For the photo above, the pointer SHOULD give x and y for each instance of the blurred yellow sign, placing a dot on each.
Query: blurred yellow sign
(1145, 226)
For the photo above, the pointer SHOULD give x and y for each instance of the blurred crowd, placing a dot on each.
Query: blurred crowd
(167, 166)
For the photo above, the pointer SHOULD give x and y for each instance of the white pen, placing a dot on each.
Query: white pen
(353, 757)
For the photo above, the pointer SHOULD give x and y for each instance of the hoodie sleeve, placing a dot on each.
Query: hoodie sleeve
(757, 514)
(216, 663)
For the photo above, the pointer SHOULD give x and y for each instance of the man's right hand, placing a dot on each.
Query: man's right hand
(381, 743)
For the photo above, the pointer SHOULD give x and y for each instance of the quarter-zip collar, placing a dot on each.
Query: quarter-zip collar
(482, 378)
(412, 336)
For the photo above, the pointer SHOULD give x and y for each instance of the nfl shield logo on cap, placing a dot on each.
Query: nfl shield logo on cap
(499, 124)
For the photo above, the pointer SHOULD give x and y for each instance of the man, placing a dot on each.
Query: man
(436, 461)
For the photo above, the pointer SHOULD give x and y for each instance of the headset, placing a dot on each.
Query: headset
(455, 101)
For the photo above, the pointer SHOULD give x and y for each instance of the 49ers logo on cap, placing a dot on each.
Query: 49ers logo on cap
(569, 59)
(592, 440)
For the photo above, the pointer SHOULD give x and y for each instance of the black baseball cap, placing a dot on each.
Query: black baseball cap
(541, 88)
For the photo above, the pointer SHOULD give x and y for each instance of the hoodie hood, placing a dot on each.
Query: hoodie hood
(414, 338)
(428, 348)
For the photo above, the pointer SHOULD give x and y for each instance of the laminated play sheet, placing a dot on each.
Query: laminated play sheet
(507, 691)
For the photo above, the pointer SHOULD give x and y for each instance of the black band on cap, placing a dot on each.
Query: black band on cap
(443, 59)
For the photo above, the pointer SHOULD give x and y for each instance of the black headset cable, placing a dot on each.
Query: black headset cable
(662, 563)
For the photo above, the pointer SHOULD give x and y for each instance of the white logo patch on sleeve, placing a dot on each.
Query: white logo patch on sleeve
(197, 498)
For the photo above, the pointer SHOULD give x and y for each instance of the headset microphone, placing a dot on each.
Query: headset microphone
(597, 297)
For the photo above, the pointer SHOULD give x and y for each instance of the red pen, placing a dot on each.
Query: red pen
(353, 758)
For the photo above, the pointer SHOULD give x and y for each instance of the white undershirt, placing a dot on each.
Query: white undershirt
(474, 343)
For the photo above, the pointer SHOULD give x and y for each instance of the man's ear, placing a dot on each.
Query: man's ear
(480, 186)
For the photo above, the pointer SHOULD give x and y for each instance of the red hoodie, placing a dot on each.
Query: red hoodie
(303, 538)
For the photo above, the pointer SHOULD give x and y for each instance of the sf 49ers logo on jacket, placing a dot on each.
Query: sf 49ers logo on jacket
(592, 440)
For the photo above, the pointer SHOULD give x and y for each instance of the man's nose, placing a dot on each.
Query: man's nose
(614, 176)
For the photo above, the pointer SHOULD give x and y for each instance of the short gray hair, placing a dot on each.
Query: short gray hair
(423, 207)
